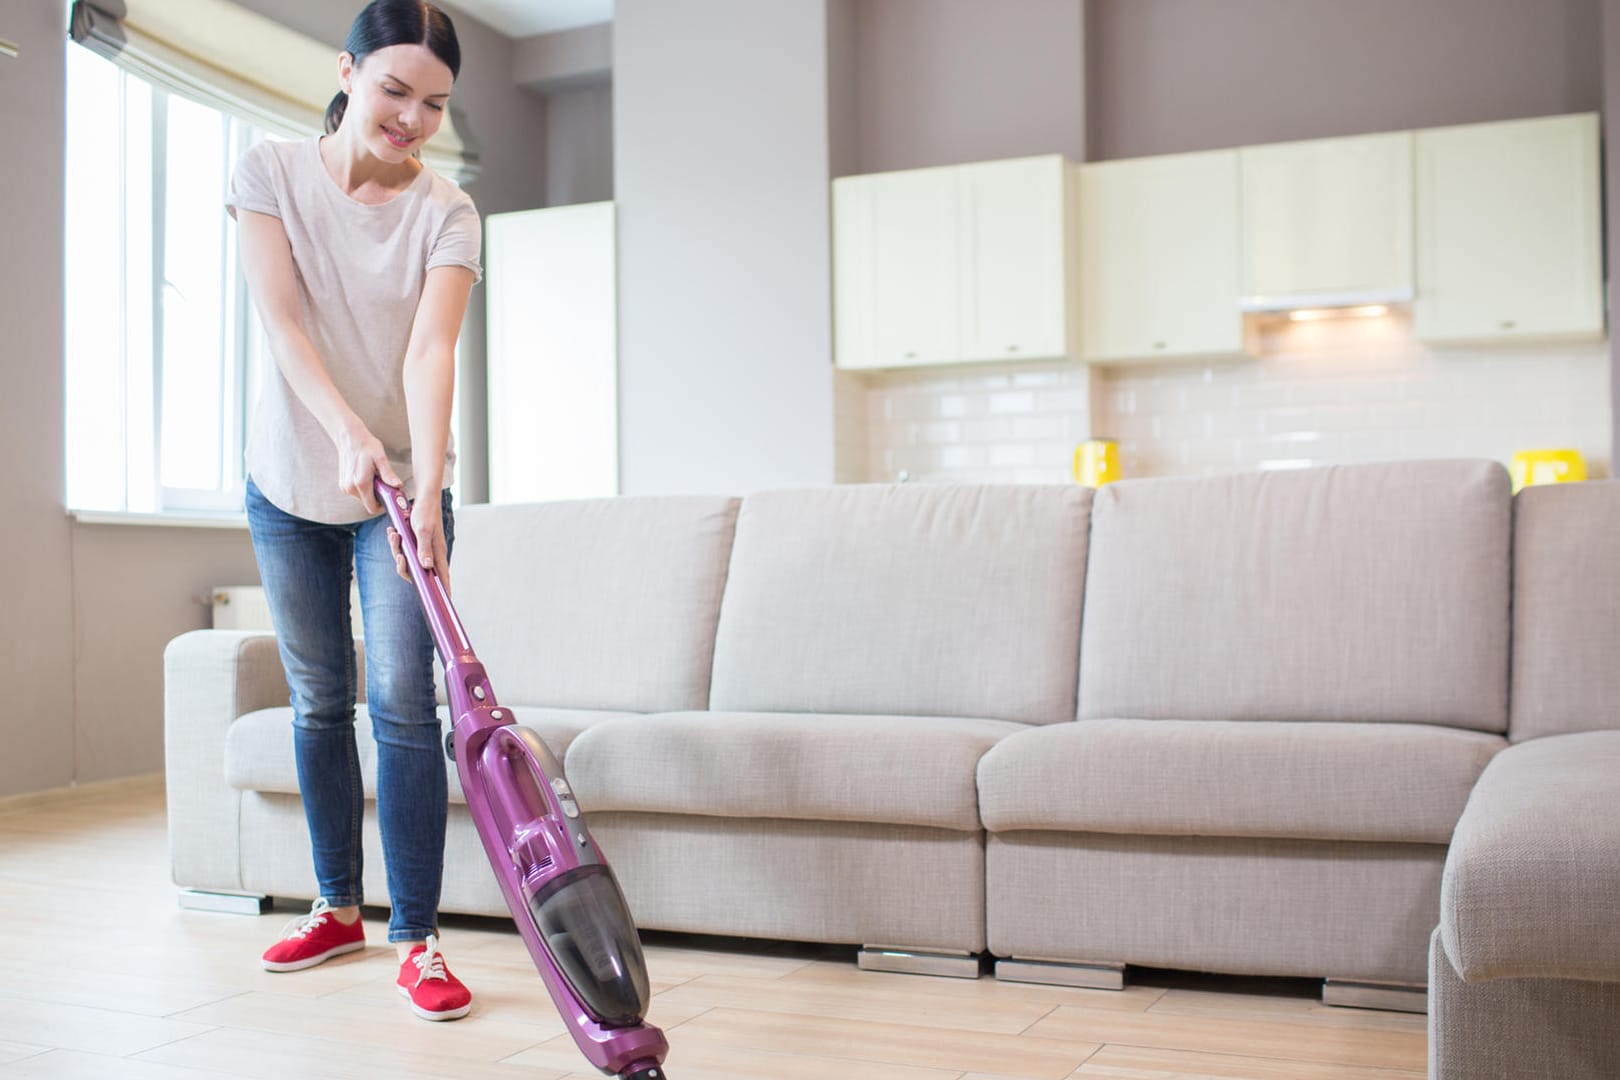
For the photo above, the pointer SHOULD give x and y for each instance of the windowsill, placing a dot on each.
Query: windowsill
(190, 519)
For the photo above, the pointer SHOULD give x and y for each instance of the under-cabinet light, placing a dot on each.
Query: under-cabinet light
(1365, 311)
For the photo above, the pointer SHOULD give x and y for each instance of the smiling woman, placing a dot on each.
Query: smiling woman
(359, 259)
(161, 342)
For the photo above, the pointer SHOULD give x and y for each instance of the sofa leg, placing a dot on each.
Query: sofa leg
(230, 903)
(952, 965)
(1394, 997)
(1100, 975)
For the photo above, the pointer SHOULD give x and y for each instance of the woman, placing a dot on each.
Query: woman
(360, 260)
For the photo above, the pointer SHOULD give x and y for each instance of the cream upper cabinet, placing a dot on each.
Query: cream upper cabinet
(1509, 231)
(895, 268)
(954, 264)
(1327, 221)
(1015, 243)
(1159, 244)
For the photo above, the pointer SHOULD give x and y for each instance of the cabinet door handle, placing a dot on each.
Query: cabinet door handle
(1508, 324)
(1012, 348)
(911, 356)
(1158, 345)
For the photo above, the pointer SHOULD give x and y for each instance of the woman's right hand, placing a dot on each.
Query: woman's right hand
(360, 458)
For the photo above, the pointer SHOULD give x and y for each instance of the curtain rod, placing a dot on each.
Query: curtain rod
(7, 48)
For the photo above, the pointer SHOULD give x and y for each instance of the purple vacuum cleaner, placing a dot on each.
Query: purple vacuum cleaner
(566, 901)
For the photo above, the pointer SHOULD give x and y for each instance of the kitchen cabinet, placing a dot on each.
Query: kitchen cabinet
(552, 353)
(956, 264)
(895, 268)
(1015, 249)
(1159, 257)
(1509, 231)
(1327, 221)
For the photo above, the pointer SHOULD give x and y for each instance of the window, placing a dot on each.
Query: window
(164, 350)
(161, 341)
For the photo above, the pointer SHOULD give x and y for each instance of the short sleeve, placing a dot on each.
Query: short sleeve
(251, 186)
(460, 240)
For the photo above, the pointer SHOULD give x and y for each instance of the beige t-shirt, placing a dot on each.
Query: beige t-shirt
(360, 271)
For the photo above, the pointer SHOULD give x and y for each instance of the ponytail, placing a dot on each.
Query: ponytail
(335, 111)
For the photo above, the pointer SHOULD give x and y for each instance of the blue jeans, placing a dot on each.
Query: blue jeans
(305, 567)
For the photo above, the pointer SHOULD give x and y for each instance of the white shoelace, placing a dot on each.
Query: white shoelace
(430, 962)
(302, 925)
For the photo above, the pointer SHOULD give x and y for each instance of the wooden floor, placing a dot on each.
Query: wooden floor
(105, 977)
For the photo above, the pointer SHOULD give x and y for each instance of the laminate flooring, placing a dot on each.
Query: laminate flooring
(106, 977)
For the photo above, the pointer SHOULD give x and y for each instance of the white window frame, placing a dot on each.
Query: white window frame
(140, 313)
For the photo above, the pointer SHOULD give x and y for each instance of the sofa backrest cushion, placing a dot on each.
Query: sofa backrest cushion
(908, 600)
(1350, 593)
(1566, 609)
(595, 603)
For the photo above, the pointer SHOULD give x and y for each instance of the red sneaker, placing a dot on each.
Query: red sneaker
(311, 939)
(435, 994)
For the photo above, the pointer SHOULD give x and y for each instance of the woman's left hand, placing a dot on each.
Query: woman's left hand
(427, 523)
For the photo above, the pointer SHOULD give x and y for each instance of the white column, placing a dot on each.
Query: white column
(721, 182)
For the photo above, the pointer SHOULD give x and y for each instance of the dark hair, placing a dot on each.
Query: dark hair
(382, 23)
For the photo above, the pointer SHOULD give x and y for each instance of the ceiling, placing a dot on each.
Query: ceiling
(524, 18)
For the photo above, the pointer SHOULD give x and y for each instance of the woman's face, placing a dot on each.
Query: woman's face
(397, 98)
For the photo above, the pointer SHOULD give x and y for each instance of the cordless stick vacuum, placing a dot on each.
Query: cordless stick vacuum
(562, 893)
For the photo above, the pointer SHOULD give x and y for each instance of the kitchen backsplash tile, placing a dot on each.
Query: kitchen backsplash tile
(851, 428)
(1321, 393)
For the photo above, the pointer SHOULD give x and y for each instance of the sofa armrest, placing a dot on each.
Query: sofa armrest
(1533, 875)
(210, 677)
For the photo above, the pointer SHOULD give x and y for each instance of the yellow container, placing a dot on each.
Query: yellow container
(1096, 462)
(1547, 467)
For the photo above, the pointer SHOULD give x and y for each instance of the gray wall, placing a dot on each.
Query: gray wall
(89, 608)
(843, 88)
(36, 618)
(579, 137)
(721, 184)
(930, 82)
(1171, 75)
(947, 81)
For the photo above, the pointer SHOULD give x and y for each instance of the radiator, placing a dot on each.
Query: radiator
(243, 607)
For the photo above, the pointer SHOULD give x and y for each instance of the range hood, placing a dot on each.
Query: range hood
(1281, 302)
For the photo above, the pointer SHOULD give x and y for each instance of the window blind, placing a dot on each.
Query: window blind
(235, 60)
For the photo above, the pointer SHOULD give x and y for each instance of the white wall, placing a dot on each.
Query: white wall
(721, 181)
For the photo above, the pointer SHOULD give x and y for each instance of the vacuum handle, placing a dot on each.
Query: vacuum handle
(448, 633)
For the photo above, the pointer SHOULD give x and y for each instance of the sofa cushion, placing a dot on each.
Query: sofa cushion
(905, 600)
(892, 770)
(1351, 593)
(596, 603)
(1566, 609)
(1532, 881)
(259, 746)
(1322, 781)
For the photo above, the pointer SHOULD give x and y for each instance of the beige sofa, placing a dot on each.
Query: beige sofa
(1226, 723)
(1524, 968)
